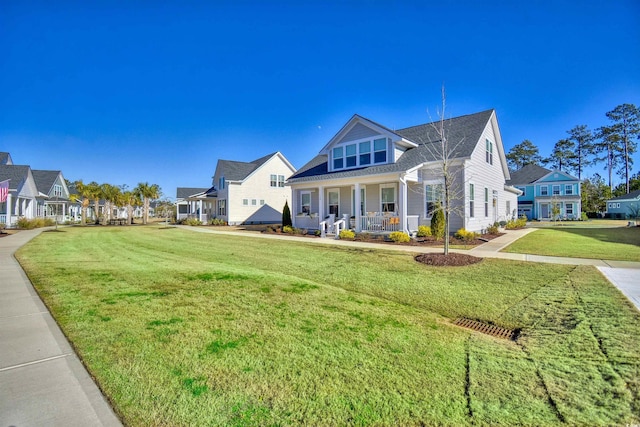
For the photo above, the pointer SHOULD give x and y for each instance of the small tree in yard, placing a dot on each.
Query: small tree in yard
(286, 215)
(555, 210)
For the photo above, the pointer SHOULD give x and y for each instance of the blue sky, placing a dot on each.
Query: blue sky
(125, 92)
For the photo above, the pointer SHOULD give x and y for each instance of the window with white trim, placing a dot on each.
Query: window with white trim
(471, 200)
(508, 207)
(222, 207)
(273, 180)
(489, 151)
(568, 209)
(556, 190)
(305, 202)
(245, 202)
(254, 202)
(544, 190)
(388, 198)
(261, 202)
(57, 190)
(359, 153)
(433, 196)
(281, 181)
(486, 202)
(568, 189)
(334, 202)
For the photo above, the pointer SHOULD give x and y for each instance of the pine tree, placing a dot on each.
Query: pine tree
(438, 223)
(286, 215)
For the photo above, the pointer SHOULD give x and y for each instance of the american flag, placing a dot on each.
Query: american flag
(4, 190)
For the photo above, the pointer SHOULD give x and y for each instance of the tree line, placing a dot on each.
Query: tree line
(115, 197)
(612, 144)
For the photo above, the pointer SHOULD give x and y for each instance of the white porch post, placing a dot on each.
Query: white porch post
(200, 209)
(402, 212)
(357, 203)
(8, 223)
(321, 203)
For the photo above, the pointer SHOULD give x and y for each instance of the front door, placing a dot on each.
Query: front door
(544, 210)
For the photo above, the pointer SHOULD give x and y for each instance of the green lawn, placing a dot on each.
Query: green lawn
(620, 243)
(183, 328)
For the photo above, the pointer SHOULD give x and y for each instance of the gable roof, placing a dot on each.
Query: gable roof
(528, 174)
(630, 196)
(233, 170)
(5, 158)
(184, 192)
(17, 174)
(45, 180)
(466, 130)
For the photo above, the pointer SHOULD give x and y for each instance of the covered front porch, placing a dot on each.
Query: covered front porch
(366, 206)
(16, 207)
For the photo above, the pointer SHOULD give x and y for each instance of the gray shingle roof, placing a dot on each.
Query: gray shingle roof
(44, 180)
(463, 131)
(528, 174)
(237, 171)
(631, 195)
(16, 173)
(5, 158)
(184, 192)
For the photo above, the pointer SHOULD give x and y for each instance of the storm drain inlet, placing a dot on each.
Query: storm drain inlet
(485, 328)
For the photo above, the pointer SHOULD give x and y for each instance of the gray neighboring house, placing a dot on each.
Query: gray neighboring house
(371, 178)
(193, 202)
(625, 206)
(21, 200)
(53, 195)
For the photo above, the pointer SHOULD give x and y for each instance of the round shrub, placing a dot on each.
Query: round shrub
(347, 235)
(466, 235)
(399, 237)
(423, 231)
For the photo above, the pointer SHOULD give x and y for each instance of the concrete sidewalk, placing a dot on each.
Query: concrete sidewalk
(42, 381)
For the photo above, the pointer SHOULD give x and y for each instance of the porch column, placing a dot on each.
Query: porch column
(402, 211)
(8, 220)
(357, 203)
(321, 203)
(200, 208)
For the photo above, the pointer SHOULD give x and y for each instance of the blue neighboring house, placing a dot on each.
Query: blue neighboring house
(542, 188)
(621, 207)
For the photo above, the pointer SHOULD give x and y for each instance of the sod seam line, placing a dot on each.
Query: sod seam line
(35, 362)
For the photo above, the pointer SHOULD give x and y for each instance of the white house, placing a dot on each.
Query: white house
(53, 195)
(242, 192)
(21, 200)
(371, 178)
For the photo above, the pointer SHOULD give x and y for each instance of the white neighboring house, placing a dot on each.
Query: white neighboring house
(53, 195)
(371, 178)
(242, 192)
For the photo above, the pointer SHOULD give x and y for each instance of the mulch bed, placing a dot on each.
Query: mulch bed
(449, 260)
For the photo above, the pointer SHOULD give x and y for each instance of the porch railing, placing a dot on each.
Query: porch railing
(381, 223)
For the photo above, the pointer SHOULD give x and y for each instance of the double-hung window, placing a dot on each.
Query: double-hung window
(273, 180)
(568, 209)
(351, 155)
(544, 190)
(365, 153)
(433, 197)
(489, 151)
(305, 202)
(57, 190)
(338, 157)
(472, 200)
(388, 198)
(556, 190)
(222, 207)
(380, 150)
(281, 181)
(334, 202)
(486, 202)
(568, 189)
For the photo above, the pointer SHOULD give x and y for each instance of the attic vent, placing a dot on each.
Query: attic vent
(555, 175)
(487, 329)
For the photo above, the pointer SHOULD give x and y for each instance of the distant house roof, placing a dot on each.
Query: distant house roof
(528, 174)
(17, 174)
(184, 192)
(45, 180)
(5, 158)
(464, 130)
(233, 170)
(632, 195)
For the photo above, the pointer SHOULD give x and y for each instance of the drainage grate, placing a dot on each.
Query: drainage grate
(485, 328)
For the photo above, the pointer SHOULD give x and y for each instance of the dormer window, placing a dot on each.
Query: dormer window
(359, 154)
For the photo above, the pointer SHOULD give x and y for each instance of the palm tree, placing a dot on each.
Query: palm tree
(94, 192)
(110, 194)
(83, 196)
(130, 199)
(147, 192)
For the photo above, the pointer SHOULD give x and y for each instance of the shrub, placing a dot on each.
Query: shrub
(347, 235)
(317, 233)
(399, 237)
(515, 224)
(30, 224)
(466, 235)
(192, 221)
(423, 231)
(493, 229)
(584, 217)
(502, 223)
(289, 229)
(437, 223)
(217, 221)
(286, 215)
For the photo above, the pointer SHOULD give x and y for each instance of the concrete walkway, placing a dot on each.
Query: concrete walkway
(42, 381)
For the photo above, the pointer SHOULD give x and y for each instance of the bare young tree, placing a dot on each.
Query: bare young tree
(440, 151)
